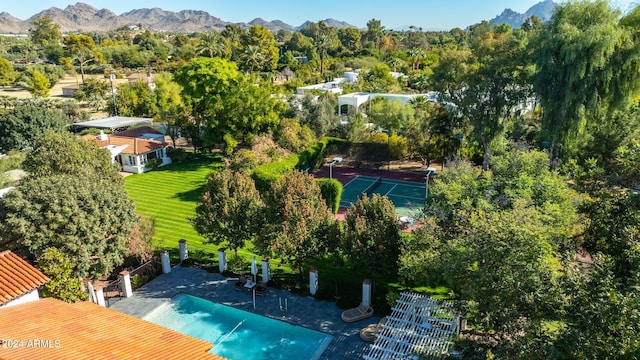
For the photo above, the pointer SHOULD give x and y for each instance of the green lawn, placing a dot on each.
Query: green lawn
(169, 194)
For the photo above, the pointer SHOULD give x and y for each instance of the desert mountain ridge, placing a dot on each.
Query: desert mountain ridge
(84, 17)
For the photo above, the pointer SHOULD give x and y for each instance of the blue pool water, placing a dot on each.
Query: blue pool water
(238, 334)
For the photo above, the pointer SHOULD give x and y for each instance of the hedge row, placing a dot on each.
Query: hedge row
(309, 159)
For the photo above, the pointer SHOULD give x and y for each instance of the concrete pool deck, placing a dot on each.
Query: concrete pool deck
(303, 311)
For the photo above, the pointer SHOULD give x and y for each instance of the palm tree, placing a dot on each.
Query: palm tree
(211, 45)
(253, 57)
(416, 54)
(394, 63)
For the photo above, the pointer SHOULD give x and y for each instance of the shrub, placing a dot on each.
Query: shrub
(153, 164)
(138, 281)
(331, 190)
(176, 155)
(230, 144)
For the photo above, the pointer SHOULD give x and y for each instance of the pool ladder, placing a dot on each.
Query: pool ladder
(284, 308)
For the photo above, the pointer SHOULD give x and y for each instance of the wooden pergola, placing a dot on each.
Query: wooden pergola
(417, 325)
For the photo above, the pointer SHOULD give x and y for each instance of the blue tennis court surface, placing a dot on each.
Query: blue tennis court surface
(407, 196)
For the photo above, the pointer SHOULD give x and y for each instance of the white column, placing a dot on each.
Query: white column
(125, 283)
(182, 244)
(92, 292)
(266, 272)
(366, 292)
(313, 281)
(222, 260)
(100, 296)
(166, 264)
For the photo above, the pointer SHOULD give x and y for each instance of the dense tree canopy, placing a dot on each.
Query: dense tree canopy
(88, 219)
(371, 237)
(223, 101)
(498, 239)
(587, 62)
(298, 224)
(62, 153)
(20, 126)
(229, 209)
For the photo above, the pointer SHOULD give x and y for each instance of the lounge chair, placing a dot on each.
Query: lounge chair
(238, 285)
(370, 333)
(357, 314)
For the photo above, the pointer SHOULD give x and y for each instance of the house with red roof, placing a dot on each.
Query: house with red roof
(19, 280)
(133, 149)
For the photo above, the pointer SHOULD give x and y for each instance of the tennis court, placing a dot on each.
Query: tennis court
(407, 196)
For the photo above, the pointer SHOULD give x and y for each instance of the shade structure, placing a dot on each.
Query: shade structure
(417, 324)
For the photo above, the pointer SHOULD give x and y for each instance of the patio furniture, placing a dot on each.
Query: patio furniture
(356, 314)
(238, 285)
(370, 333)
(250, 285)
(261, 290)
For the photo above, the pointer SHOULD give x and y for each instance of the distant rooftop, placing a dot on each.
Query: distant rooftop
(112, 123)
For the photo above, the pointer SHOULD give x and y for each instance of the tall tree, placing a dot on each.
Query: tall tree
(391, 115)
(375, 32)
(229, 209)
(80, 47)
(298, 224)
(586, 60)
(263, 39)
(45, 32)
(487, 86)
(135, 99)
(371, 237)
(223, 101)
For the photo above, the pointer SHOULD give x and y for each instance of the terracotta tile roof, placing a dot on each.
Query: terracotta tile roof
(137, 132)
(88, 331)
(17, 277)
(135, 146)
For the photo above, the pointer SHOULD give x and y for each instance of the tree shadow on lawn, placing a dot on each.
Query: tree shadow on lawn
(192, 195)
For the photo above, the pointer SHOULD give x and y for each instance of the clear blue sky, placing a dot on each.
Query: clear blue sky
(428, 14)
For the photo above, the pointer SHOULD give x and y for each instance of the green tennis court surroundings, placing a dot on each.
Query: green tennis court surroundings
(407, 196)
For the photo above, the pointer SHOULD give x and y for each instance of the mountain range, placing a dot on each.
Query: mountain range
(543, 10)
(83, 17)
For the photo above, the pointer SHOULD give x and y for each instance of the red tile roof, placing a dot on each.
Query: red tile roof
(135, 145)
(17, 277)
(59, 330)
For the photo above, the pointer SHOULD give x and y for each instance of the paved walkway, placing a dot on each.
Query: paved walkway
(303, 311)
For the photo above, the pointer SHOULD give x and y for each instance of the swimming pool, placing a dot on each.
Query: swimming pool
(238, 334)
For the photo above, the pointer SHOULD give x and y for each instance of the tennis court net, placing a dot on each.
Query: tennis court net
(371, 188)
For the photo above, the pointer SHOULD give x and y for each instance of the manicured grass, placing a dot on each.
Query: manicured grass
(169, 194)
